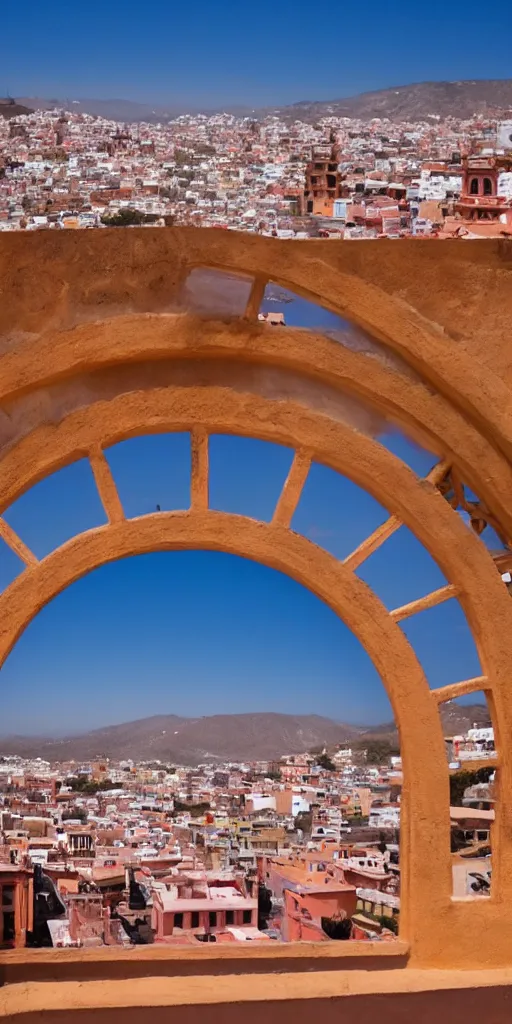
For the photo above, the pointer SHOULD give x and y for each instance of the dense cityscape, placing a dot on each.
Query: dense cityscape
(302, 848)
(340, 177)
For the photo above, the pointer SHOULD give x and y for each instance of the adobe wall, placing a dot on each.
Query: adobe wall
(397, 998)
(81, 331)
(461, 288)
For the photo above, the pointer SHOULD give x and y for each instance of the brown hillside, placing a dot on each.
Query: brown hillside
(413, 102)
(222, 737)
(9, 109)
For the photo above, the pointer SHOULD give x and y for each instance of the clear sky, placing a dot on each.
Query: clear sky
(198, 633)
(229, 52)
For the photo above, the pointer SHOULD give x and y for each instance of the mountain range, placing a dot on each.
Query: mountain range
(415, 102)
(247, 737)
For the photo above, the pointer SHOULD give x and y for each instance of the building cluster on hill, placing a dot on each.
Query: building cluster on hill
(340, 178)
(304, 848)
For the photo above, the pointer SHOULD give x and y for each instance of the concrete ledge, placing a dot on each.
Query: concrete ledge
(400, 996)
(36, 965)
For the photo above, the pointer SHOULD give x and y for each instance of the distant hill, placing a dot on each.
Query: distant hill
(221, 737)
(458, 718)
(11, 108)
(113, 110)
(402, 103)
(412, 102)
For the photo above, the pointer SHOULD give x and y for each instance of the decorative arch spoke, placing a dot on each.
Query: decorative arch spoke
(292, 489)
(200, 475)
(16, 544)
(105, 483)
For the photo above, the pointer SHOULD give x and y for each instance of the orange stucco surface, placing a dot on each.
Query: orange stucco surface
(94, 348)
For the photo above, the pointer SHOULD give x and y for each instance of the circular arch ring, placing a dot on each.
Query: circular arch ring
(348, 596)
(460, 554)
(425, 346)
(147, 262)
(429, 417)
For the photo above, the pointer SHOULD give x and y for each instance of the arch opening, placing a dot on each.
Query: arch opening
(468, 597)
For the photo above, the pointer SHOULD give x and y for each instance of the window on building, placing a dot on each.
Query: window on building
(473, 188)
(8, 926)
(487, 187)
(230, 916)
(194, 919)
(247, 917)
(178, 920)
(7, 896)
(213, 919)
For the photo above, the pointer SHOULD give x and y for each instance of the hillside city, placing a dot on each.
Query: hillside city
(131, 841)
(301, 848)
(340, 177)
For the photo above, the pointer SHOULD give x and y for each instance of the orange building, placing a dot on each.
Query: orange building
(323, 180)
(308, 895)
(479, 200)
(16, 905)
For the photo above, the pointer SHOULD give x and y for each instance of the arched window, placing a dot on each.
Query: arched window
(473, 188)
(487, 187)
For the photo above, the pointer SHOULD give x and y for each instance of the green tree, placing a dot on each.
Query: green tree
(379, 751)
(195, 810)
(304, 821)
(337, 927)
(324, 761)
(83, 784)
(74, 814)
(124, 218)
(461, 781)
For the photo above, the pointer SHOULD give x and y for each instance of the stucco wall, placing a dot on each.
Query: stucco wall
(91, 357)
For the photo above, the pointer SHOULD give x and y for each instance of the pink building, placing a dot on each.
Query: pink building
(219, 910)
(308, 894)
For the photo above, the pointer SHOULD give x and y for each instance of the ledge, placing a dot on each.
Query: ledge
(453, 995)
(112, 962)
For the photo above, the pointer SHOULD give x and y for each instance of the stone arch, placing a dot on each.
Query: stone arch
(418, 504)
(429, 417)
(276, 546)
(427, 304)
(405, 300)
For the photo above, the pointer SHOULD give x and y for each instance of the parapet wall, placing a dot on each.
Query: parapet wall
(463, 289)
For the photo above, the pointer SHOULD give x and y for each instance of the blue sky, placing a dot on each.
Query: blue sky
(227, 52)
(201, 632)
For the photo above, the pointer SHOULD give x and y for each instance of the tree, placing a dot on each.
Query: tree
(337, 927)
(264, 905)
(75, 813)
(304, 821)
(195, 810)
(461, 781)
(324, 761)
(124, 218)
(83, 784)
(274, 776)
(378, 751)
